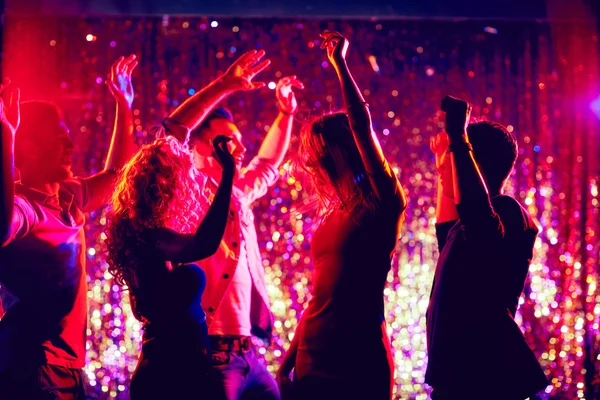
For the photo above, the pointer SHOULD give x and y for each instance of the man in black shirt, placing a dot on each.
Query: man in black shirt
(475, 348)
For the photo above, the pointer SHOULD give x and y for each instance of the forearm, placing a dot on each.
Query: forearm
(211, 229)
(469, 186)
(358, 113)
(445, 209)
(195, 109)
(122, 145)
(7, 187)
(276, 143)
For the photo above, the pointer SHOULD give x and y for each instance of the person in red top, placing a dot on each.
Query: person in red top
(340, 348)
(42, 268)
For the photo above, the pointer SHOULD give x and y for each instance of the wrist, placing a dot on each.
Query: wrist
(287, 113)
(223, 85)
(124, 105)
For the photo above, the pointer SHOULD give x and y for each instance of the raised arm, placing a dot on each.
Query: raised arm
(470, 192)
(122, 143)
(277, 141)
(180, 248)
(383, 179)
(238, 76)
(445, 209)
(9, 120)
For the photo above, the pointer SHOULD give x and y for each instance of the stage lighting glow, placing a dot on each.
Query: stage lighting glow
(272, 85)
(595, 106)
(214, 24)
(373, 62)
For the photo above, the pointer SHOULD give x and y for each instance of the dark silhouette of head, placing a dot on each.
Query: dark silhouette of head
(495, 150)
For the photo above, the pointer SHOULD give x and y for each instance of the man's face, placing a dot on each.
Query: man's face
(205, 150)
(49, 156)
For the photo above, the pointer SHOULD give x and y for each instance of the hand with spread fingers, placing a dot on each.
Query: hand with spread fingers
(119, 80)
(286, 96)
(337, 47)
(10, 115)
(240, 74)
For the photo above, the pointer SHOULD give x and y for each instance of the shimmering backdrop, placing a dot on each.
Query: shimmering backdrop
(539, 80)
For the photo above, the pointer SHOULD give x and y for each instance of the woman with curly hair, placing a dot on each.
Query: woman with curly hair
(340, 348)
(153, 235)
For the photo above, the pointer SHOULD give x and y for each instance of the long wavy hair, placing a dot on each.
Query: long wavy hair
(330, 166)
(157, 188)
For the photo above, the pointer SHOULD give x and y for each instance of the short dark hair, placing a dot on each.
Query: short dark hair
(495, 150)
(217, 113)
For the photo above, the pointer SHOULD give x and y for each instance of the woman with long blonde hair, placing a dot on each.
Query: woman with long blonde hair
(157, 228)
(340, 348)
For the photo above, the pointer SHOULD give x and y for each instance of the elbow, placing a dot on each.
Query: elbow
(212, 248)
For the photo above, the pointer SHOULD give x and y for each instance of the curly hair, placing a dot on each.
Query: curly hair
(325, 154)
(157, 188)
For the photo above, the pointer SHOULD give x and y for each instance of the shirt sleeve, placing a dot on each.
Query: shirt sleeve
(23, 221)
(82, 189)
(501, 218)
(258, 177)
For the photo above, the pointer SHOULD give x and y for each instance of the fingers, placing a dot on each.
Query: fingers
(111, 86)
(221, 140)
(258, 68)
(297, 84)
(131, 67)
(258, 85)
(128, 64)
(243, 59)
(114, 69)
(292, 81)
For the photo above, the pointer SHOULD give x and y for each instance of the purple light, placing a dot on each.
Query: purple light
(595, 106)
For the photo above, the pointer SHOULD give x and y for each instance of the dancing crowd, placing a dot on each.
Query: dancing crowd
(182, 240)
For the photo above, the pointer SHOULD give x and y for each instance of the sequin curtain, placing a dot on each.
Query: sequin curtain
(544, 87)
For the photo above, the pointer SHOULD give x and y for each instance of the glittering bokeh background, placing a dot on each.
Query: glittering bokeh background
(540, 80)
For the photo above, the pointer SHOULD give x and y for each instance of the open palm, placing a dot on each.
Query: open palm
(119, 81)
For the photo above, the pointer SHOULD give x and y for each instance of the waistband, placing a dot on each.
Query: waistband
(231, 344)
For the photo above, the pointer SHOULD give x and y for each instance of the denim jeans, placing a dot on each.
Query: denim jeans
(238, 375)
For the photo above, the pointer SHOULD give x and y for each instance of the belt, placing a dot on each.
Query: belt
(228, 343)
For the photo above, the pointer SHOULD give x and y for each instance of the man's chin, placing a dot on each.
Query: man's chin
(63, 173)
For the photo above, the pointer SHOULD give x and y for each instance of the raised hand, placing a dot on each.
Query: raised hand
(10, 115)
(439, 145)
(222, 153)
(240, 74)
(458, 113)
(285, 95)
(336, 45)
(119, 79)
